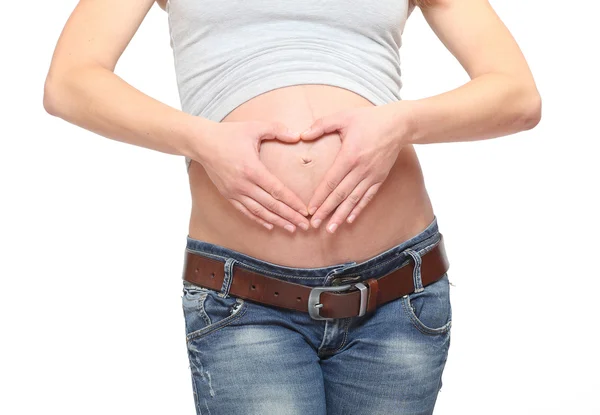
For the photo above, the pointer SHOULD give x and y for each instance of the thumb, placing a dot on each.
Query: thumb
(323, 125)
(278, 131)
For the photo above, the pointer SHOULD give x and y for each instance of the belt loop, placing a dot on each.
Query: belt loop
(330, 279)
(418, 282)
(228, 268)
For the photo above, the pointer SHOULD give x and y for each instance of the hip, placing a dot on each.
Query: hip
(247, 354)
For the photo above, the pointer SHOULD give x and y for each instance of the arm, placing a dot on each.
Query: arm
(82, 88)
(501, 97)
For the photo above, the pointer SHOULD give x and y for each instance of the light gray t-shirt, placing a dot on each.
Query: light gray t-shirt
(227, 52)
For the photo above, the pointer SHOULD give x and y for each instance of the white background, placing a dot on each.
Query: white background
(92, 231)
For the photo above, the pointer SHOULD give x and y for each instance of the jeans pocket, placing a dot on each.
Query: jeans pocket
(430, 310)
(206, 311)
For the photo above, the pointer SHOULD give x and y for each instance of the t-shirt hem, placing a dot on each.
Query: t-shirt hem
(219, 109)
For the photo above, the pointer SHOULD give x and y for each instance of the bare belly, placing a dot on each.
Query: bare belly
(400, 209)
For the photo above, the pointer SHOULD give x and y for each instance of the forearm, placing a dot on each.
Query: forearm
(491, 105)
(98, 100)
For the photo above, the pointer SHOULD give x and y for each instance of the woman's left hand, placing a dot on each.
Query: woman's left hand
(371, 140)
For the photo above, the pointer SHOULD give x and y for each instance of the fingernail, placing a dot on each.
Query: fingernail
(351, 218)
(303, 212)
(316, 223)
(290, 228)
(304, 226)
(268, 226)
(305, 132)
(312, 210)
(332, 227)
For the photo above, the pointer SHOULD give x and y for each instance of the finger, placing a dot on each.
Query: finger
(337, 196)
(278, 207)
(321, 126)
(347, 205)
(273, 186)
(239, 206)
(278, 131)
(339, 169)
(262, 212)
(368, 196)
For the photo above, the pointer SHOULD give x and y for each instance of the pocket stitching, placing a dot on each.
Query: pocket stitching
(406, 306)
(419, 324)
(202, 293)
(200, 308)
(204, 331)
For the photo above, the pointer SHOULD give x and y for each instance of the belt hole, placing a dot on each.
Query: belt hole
(276, 293)
(196, 270)
(253, 287)
(298, 298)
(212, 274)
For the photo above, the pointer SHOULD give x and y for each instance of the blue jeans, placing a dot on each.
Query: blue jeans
(249, 358)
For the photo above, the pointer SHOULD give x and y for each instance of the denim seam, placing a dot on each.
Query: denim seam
(193, 287)
(242, 264)
(199, 304)
(261, 271)
(377, 266)
(201, 309)
(204, 291)
(427, 248)
(218, 325)
(194, 388)
(330, 350)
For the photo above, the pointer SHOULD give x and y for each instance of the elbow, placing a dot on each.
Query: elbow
(51, 92)
(531, 114)
(57, 93)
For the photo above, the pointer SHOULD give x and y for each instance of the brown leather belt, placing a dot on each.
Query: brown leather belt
(322, 303)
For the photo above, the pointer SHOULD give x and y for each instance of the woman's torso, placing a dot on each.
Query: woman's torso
(342, 36)
(400, 209)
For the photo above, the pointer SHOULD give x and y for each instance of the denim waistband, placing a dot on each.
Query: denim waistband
(374, 267)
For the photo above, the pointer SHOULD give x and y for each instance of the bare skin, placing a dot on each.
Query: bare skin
(500, 99)
(400, 210)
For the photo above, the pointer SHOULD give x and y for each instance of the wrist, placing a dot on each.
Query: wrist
(403, 121)
(196, 133)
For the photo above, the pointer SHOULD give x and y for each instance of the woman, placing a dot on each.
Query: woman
(290, 112)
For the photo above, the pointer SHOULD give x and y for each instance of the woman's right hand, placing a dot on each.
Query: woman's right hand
(230, 156)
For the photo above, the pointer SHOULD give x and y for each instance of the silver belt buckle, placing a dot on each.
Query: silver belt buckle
(314, 299)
